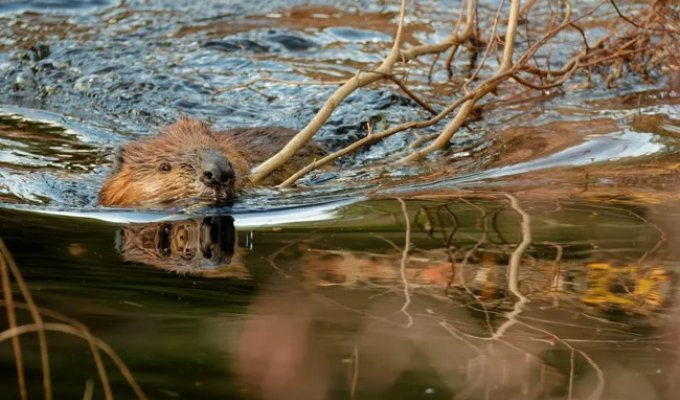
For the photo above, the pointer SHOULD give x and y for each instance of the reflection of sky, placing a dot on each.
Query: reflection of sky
(599, 148)
(256, 219)
(64, 6)
(596, 148)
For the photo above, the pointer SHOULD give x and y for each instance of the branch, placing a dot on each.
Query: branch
(555, 83)
(510, 34)
(506, 65)
(359, 80)
(492, 40)
(452, 54)
(599, 52)
(623, 16)
(402, 269)
(372, 138)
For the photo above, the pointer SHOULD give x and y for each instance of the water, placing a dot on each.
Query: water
(197, 307)
(537, 259)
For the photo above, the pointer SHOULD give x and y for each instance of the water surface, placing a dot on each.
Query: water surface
(536, 259)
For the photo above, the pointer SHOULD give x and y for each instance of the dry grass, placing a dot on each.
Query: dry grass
(56, 322)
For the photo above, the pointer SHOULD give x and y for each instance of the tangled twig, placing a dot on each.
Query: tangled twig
(644, 42)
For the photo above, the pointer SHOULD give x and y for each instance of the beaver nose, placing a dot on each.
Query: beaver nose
(216, 169)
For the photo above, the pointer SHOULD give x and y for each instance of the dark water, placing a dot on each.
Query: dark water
(335, 289)
(330, 310)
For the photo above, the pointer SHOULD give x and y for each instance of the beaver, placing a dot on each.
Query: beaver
(206, 247)
(188, 160)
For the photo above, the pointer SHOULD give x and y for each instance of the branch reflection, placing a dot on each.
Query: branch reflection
(459, 303)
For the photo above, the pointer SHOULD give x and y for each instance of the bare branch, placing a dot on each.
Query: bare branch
(491, 42)
(611, 48)
(359, 80)
(506, 64)
(623, 16)
(374, 138)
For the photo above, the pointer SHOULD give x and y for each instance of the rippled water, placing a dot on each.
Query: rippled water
(92, 75)
(335, 289)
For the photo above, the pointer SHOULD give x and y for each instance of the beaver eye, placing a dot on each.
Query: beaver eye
(165, 167)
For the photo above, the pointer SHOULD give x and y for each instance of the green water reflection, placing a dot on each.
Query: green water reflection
(338, 309)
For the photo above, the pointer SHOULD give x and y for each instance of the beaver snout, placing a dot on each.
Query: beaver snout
(216, 170)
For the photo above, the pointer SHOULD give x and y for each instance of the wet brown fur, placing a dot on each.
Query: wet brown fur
(138, 180)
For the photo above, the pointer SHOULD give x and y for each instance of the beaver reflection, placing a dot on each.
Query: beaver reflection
(198, 246)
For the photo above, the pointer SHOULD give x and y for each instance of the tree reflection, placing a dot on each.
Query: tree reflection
(474, 298)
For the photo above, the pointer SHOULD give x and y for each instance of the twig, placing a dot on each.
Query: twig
(513, 267)
(551, 85)
(599, 389)
(355, 373)
(484, 238)
(359, 80)
(491, 82)
(506, 65)
(623, 16)
(593, 54)
(583, 35)
(432, 64)
(525, 10)
(374, 138)
(492, 40)
(510, 34)
(464, 36)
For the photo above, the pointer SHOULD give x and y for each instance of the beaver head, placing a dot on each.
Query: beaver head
(205, 246)
(187, 160)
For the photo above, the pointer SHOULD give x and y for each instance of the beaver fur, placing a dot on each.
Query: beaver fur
(172, 165)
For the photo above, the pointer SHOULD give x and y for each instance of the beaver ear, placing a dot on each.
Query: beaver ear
(118, 159)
